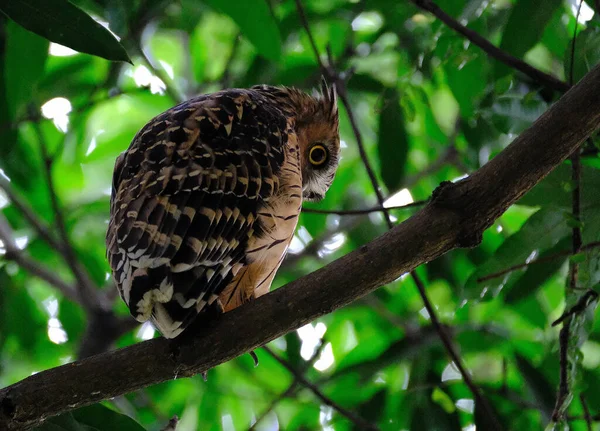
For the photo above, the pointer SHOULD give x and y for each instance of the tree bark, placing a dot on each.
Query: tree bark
(456, 216)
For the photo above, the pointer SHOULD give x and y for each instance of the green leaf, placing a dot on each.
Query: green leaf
(537, 274)
(393, 145)
(62, 22)
(542, 230)
(542, 390)
(587, 53)
(96, 417)
(256, 23)
(554, 191)
(466, 79)
(25, 58)
(525, 27)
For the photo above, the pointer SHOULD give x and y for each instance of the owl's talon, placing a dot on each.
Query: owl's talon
(204, 375)
(254, 358)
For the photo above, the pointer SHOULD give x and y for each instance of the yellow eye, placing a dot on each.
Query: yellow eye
(317, 155)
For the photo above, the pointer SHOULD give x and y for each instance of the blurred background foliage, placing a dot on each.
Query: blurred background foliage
(430, 106)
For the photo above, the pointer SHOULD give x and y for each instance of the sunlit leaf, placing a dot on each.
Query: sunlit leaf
(62, 22)
(526, 23)
(256, 23)
(542, 230)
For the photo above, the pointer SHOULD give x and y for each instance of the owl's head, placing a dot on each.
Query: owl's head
(317, 128)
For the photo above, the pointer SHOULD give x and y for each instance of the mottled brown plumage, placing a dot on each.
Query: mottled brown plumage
(206, 199)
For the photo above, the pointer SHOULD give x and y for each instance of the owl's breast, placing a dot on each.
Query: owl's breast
(274, 228)
(277, 219)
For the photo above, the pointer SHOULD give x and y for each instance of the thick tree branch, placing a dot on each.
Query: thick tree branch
(457, 216)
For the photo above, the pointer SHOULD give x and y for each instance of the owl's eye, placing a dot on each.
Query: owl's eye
(317, 155)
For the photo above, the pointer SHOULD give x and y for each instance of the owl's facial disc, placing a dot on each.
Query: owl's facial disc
(319, 169)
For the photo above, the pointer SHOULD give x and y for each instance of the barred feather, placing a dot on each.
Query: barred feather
(205, 202)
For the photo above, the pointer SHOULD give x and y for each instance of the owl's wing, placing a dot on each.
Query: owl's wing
(184, 202)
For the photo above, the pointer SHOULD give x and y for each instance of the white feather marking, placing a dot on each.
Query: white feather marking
(162, 320)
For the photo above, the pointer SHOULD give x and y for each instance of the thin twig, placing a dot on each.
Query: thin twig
(158, 72)
(291, 388)
(456, 359)
(39, 226)
(584, 302)
(340, 84)
(90, 299)
(311, 39)
(12, 252)
(586, 412)
(364, 211)
(544, 259)
(351, 416)
(563, 386)
(537, 75)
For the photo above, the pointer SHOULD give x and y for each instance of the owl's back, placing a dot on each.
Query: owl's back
(185, 199)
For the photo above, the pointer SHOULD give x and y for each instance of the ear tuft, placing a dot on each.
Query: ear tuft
(329, 97)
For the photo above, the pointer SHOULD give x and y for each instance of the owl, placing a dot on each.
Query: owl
(206, 199)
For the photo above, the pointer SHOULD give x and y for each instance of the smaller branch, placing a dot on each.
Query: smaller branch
(340, 85)
(563, 386)
(576, 197)
(584, 302)
(363, 211)
(291, 388)
(89, 297)
(586, 412)
(39, 226)
(12, 252)
(226, 78)
(351, 416)
(175, 95)
(537, 75)
(324, 69)
(479, 398)
(548, 258)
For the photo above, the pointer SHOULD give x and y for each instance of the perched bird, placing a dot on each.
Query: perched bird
(206, 198)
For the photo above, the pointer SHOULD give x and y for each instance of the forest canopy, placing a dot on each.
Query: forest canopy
(499, 332)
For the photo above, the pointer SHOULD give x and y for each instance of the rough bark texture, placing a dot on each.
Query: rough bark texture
(456, 216)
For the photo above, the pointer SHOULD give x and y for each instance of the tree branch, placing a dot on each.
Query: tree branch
(39, 226)
(12, 252)
(537, 75)
(340, 83)
(457, 216)
(89, 298)
(548, 258)
(352, 417)
(363, 211)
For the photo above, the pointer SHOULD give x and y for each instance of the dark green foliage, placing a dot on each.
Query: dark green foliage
(62, 22)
